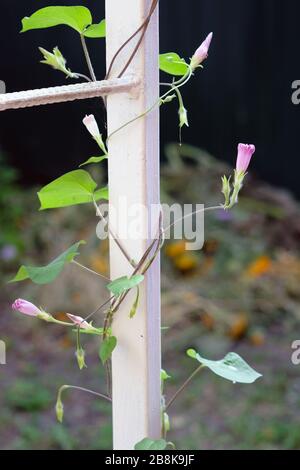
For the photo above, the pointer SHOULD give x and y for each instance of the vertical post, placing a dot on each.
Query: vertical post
(134, 180)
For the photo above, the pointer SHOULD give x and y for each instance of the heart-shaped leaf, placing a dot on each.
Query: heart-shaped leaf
(75, 187)
(47, 274)
(77, 17)
(122, 284)
(96, 30)
(172, 64)
(232, 367)
(106, 348)
(150, 444)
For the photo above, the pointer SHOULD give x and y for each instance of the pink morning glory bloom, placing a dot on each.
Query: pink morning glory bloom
(202, 52)
(91, 125)
(245, 153)
(23, 306)
(79, 322)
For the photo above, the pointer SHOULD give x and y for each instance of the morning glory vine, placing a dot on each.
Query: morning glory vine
(78, 187)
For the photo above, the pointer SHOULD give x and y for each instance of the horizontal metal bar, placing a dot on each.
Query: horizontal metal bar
(60, 94)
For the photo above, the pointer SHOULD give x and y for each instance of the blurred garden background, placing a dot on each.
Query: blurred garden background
(240, 293)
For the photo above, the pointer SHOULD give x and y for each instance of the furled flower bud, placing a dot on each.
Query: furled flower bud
(92, 126)
(57, 61)
(80, 355)
(183, 117)
(78, 321)
(202, 52)
(245, 153)
(23, 306)
(226, 190)
(59, 408)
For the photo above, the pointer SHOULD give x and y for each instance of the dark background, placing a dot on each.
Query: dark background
(243, 95)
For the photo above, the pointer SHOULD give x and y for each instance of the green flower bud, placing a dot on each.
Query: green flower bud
(226, 190)
(168, 99)
(80, 355)
(166, 422)
(57, 61)
(59, 408)
(183, 117)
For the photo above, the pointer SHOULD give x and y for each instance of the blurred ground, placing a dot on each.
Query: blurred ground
(240, 293)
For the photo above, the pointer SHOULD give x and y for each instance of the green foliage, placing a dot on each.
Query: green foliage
(27, 396)
(75, 187)
(47, 274)
(122, 284)
(76, 17)
(56, 60)
(164, 375)
(106, 348)
(10, 206)
(172, 64)
(96, 30)
(149, 444)
(232, 367)
(94, 160)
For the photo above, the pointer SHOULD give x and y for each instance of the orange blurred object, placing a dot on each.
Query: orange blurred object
(100, 264)
(175, 249)
(259, 267)
(239, 327)
(61, 316)
(208, 321)
(186, 262)
(257, 338)
(66, 342)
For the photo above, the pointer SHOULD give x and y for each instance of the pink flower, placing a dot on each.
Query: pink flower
(91, 125)
(245, 153)
(202, 52)
(80, 322)
(25, 307)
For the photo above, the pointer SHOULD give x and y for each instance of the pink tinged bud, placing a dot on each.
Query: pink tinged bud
(202, 52)
(91, 125)
(245, 153)
(25, 307)
(80, 322)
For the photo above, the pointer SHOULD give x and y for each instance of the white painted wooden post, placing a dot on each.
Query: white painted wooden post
(134, 176)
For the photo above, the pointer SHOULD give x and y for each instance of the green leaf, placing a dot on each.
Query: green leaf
(94, 160)
(106, 348)
(164, 375)
(101, 194)
(75, 187)
(47, 274)
(135, 304)
(149, 444)
(77, 17)
(232, 367)
(122, 284)
(172, 64)
(96, 30)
